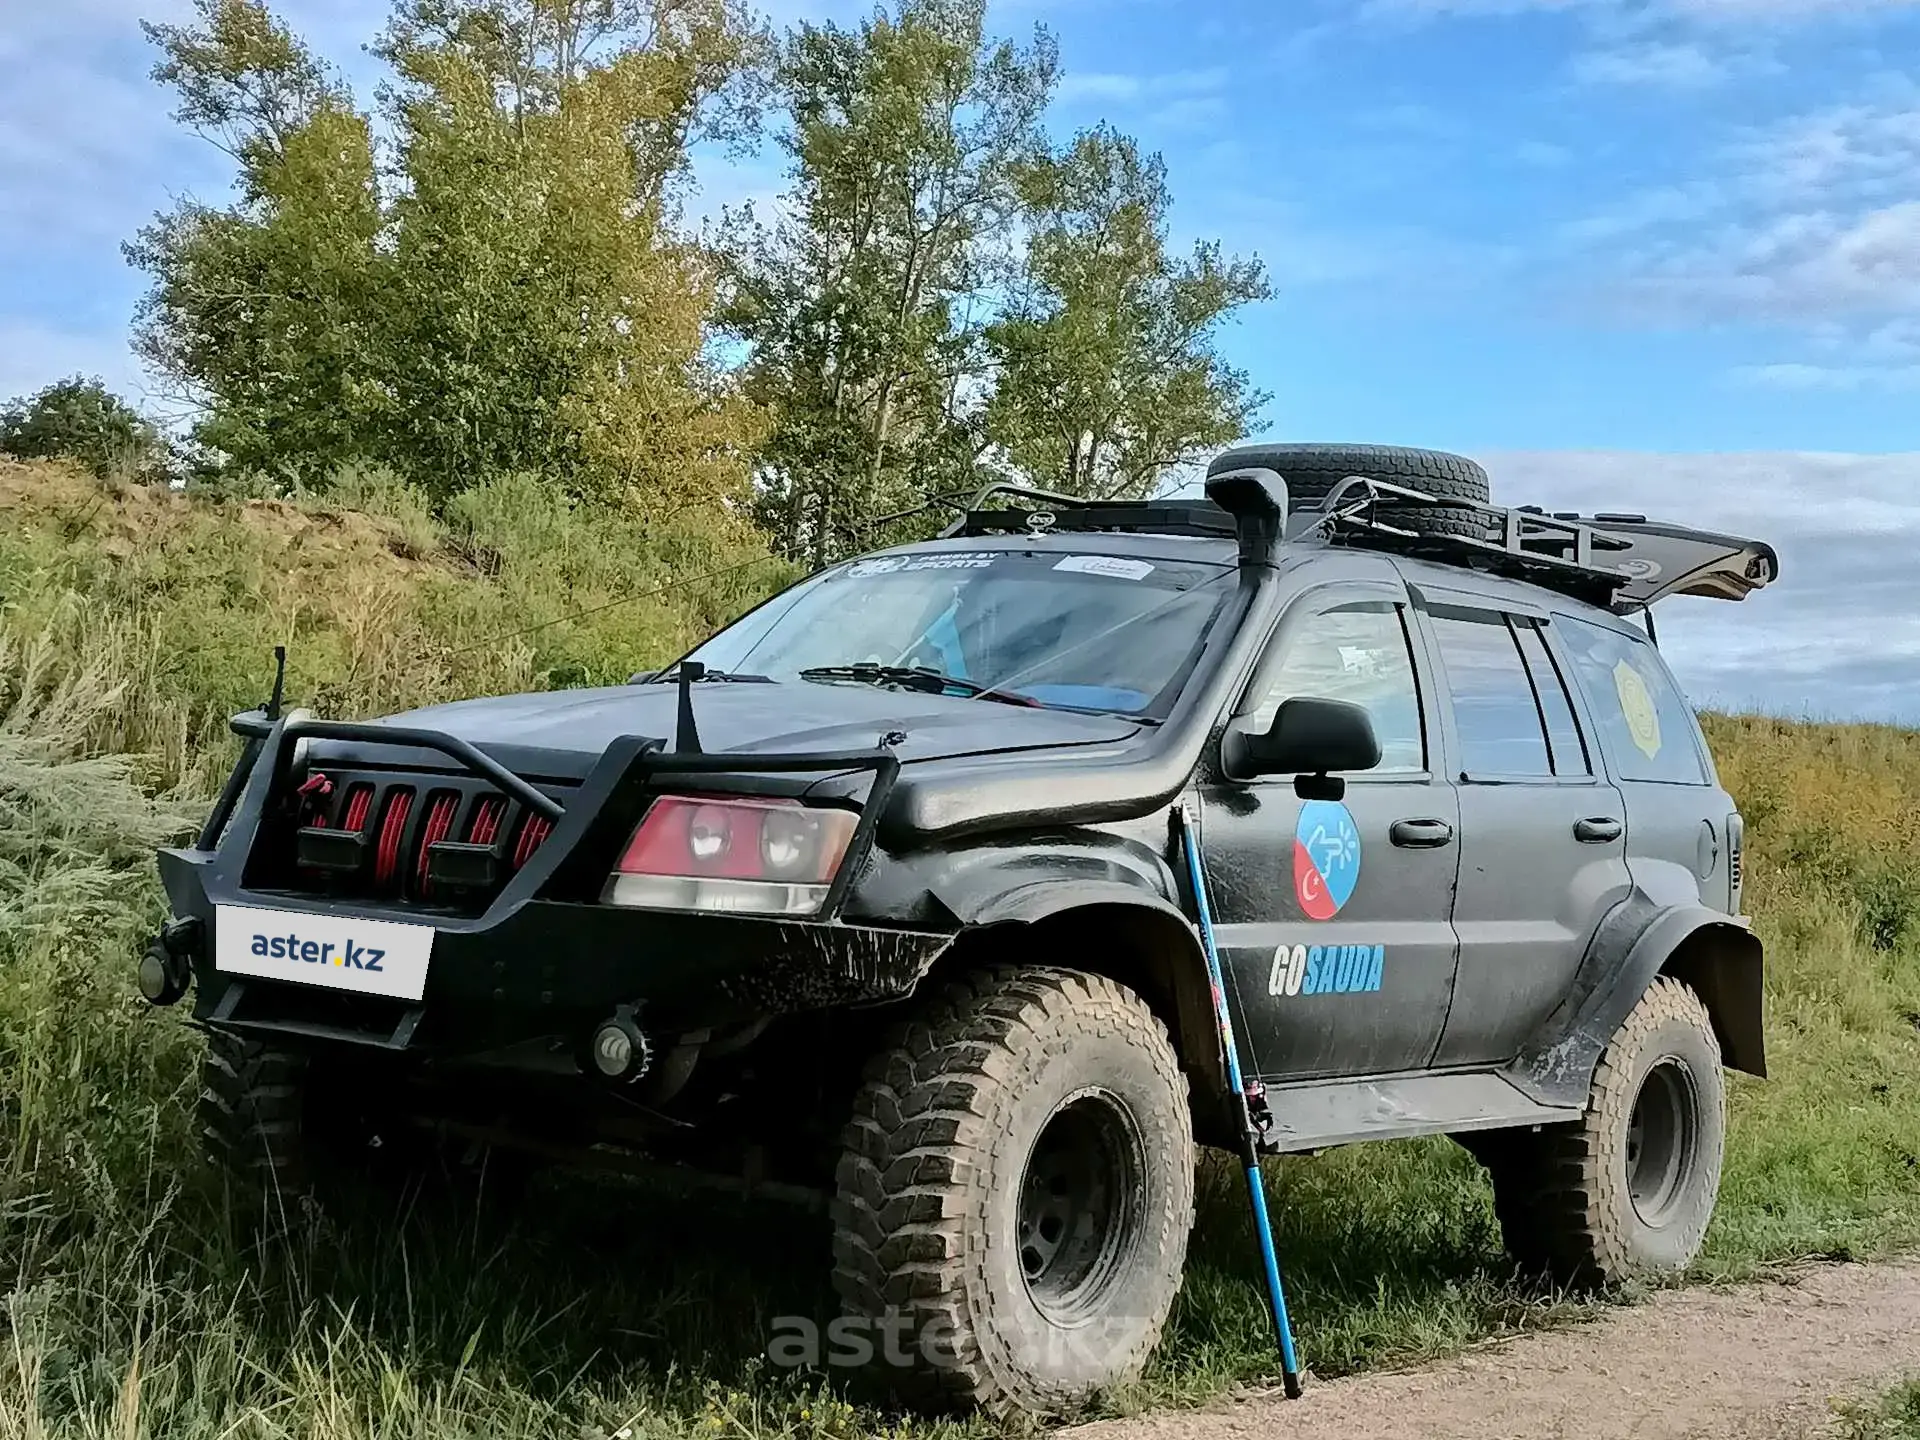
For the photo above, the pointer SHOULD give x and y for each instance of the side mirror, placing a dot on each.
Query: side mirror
(1308, 739)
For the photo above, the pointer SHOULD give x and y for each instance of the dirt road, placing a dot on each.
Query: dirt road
(1757, 1362)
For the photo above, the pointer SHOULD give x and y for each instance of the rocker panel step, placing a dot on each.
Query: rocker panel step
(1317, 1114)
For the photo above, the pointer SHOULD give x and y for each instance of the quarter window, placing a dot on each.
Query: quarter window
(1358, 654)
(1568, 750)
(1645, 725)
(1494, 708)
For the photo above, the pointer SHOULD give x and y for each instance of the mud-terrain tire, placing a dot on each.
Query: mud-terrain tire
(1628, 1190)
(277, 1143)
(1312, 472)
(1015, 1191)
(251, 1112)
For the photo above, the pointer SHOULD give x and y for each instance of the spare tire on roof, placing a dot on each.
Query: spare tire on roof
(1312, 472)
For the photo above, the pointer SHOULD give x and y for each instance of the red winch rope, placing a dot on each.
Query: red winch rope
(359, 802)
(486, 821)
(531, 835)
(439, 822)
(386, 862)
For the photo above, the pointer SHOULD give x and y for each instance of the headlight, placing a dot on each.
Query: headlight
(765, 857)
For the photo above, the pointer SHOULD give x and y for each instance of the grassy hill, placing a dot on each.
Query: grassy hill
(133, 621)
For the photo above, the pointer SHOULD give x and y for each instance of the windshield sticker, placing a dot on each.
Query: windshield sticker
(1326, 858)
(1326, 970)
(1360, 660)
(1636, 703)
(906, 564)
(1116, 566)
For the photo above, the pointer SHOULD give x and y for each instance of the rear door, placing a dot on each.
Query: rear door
(1333, 915)
(1678, 817)
(1542, 848)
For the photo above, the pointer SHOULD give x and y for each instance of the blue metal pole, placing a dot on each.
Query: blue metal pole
(1249, 1142)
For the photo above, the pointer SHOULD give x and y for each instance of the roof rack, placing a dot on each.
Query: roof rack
(1068, 512)
(1621, 562)
(1526, 543)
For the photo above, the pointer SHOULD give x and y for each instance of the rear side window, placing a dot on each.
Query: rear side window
(1494, 707)
(1645, 725)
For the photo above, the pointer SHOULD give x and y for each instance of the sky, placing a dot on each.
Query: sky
(1657, 255)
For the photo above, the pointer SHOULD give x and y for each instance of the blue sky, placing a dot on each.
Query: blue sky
(1665, 249)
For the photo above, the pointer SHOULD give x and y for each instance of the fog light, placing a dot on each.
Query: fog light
(166, 968)
(617, 1050)
(163, 976)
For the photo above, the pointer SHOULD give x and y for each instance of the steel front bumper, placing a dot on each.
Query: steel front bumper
(551, 968)
(541, 961)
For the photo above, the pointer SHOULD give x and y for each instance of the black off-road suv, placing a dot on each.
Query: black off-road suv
(876, 891)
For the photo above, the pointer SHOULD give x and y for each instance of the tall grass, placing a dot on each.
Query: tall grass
(1894, 1416)
(131, 1305)
(381, 610)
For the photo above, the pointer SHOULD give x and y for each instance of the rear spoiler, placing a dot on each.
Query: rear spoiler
(1661, 560)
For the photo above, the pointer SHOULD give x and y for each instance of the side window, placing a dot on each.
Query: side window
(1494, 708)
(1358, 654)
(1568, 750)
(1645, 726)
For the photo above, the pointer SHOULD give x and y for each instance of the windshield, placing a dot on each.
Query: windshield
(1083, 632)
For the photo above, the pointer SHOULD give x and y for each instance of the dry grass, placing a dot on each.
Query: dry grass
(185, 599)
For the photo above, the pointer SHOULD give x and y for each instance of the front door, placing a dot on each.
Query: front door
(1333, 916)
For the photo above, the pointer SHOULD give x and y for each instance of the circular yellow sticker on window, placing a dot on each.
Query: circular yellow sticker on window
(1636, 703)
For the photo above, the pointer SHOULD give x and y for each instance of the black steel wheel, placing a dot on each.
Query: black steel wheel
(1663, 1138)
(1628, 1190)
(1079, 1206)
(1015, 1191)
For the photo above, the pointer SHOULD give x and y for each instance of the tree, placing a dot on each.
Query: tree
(498, 286)
(863, 311)
(1107, 374)
(80, 419)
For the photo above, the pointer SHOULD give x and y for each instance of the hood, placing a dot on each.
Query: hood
(563, 732)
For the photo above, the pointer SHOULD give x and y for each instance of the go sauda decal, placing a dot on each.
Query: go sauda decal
(1326, 858)
(1326, 872)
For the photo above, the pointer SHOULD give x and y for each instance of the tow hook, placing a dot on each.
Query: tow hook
(617, 1049)
(166, 969)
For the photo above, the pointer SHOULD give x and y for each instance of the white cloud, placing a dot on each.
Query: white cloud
(1542, 154)
(1810, 224)
(1799, 375)
(1437, 8)
(1697, 10)
(1837, 635)
(1655, 65)
(1093, 87)
(1782, 9)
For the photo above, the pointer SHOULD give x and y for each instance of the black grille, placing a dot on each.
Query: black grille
(371, 835)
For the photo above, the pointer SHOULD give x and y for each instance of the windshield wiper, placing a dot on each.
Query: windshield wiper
(921, 678)
(672, 672)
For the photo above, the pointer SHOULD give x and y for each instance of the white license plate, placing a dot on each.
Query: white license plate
(369, 957)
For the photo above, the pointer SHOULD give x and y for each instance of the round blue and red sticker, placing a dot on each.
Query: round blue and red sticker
(1326, 858)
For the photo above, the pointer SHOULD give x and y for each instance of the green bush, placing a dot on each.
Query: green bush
(79, 419)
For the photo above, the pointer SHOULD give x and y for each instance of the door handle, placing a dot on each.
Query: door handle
(1597, 830)
(1420, 834)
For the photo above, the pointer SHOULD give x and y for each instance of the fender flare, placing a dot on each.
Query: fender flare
(1143, 940)
(1038, 900)
(1717, 955)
